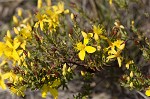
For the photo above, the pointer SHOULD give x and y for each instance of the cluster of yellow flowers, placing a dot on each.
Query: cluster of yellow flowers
(12, 50)
(49, 17)
(82, 47)
(114, 49)
(13, 53)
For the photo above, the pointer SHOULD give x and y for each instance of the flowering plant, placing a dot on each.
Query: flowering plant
(43, 52)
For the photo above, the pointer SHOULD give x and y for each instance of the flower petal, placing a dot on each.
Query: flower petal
(122, 46)
(111, 56)
(53, 92)
(147, 92)
(80, 46)
(15, 55)
(90, 35)
(41, 25)
(96, 36)
(2, 46)
(8, 34)
(86, 40)
(84, 34)
(103, 37)
(2, 84)
(44, 91)
(81, 54)
(16, 30)
(90, 49)
(119, 61)
(7, 75)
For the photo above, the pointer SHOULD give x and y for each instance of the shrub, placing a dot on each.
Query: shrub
(44, 52)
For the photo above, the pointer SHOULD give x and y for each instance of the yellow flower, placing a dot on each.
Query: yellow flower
(98, 31)
(53, 15)
(59, 8)
(115, 50)
(119, 44)
(3, 77)
(86, 36)
(114, 54)
(51, 88)
(53, 19)
(18, 91)
(83, 48)
(8, 48)
(19, 40)
(41, 19)
(147, 92)
(24, 32)
(11, 48)
(128, 64)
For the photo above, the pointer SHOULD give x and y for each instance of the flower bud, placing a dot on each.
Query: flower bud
(72, 16)
(82, 73)
(69, 70)
(19, 11)
(66, 11)
(15, 20)
(39, 4)
(131, 84)
(98, 48)
(128, 78)
(48, 2)
(131, 74)
(64, 69)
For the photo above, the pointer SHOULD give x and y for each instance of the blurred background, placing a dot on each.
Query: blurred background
(99, 11)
